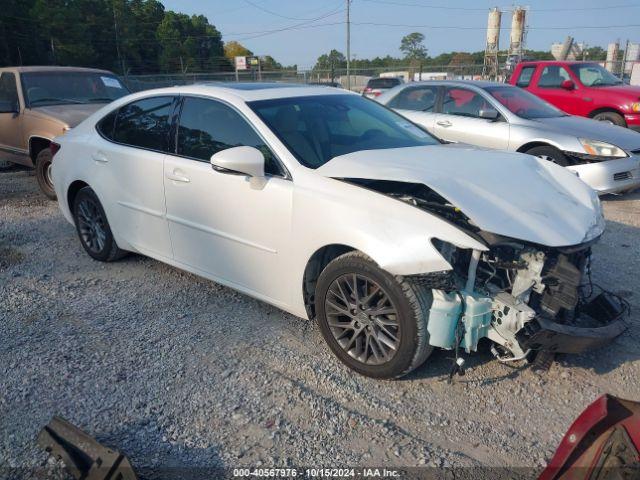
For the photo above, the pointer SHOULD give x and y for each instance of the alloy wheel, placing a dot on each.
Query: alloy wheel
(91, 225)
(47, 174)
(547, 158)
(363, 319)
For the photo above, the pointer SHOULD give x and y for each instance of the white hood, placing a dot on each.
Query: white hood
(510, 194)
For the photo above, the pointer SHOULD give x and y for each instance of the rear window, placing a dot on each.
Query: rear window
(143, 124)
(383, 82)
(525, 76)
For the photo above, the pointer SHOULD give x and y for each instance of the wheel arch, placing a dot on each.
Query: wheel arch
(596, 111)
(72, 192)
(36, 145)
(315, 265)
(536, 143)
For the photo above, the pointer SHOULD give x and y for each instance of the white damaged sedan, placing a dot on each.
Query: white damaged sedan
(332, 207)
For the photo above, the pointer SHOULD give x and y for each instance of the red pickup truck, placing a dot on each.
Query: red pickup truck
(581, 88)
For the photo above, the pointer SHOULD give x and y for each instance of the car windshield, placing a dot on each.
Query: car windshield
(594, 75)
(62, 88)
(524, 104)
(321, 127)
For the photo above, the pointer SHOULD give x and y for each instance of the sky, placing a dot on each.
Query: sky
(378, 25)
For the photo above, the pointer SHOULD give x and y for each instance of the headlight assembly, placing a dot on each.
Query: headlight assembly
(601, 149)
(597, 227)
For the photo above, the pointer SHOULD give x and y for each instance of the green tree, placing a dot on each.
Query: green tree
(332, 60)
(413, 47)
(20, 42)
(269, 63)
(235, 49)
(66, 30)
(190, 44)
(329, 62)
(461, 63)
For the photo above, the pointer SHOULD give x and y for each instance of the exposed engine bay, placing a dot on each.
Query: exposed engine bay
(524, 297)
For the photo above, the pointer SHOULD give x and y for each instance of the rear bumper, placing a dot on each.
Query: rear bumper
(610, 176)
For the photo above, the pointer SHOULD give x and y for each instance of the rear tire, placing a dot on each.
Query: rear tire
(551, 154)
(360, 333)
(611, 117)
(93, 228)
(43, 173)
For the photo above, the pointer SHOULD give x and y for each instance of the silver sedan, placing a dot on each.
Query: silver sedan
(500, 116)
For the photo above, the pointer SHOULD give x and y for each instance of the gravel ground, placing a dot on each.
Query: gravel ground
(177, 371)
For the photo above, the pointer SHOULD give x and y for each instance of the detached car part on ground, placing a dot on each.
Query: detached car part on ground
(602, 443)
(40, 103)
(500, 116)
(330, 206)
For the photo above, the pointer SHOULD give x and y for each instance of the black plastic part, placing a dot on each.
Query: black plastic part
(562, 281)
(545, 334)
(602, 308)
(543, 360)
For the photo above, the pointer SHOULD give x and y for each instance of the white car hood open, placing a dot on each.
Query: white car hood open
(510, 194)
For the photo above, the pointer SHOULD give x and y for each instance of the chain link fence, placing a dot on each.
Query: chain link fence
(359, 76)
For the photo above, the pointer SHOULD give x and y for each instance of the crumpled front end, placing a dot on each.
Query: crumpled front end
(525, 298)
(528, 291)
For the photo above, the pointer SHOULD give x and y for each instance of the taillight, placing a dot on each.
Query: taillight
(367, 90)
(377, 94)
(54, 147)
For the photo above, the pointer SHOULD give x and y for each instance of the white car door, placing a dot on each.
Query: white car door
(220, 224)
(128, 168)
(417, 104)
(460, 122)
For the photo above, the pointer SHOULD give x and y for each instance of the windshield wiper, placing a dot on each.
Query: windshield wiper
(52, 99)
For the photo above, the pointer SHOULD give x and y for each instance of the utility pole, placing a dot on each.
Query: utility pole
(115, 29)
(348, 46)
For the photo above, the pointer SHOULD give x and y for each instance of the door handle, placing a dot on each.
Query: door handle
(178, 178)
(444, 123)
(100, 157)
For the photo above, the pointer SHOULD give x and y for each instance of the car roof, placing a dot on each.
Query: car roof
(555, 62)
(251, 91)
(51, 68)
(460, 83)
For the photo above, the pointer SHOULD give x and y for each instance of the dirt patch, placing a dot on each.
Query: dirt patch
(9, 256)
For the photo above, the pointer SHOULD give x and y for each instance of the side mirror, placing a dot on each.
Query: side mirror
(489, 114)
(568, 85)
(7, 106)
(246, 160)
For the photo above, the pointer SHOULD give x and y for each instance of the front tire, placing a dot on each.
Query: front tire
(611, 117)
(374, 322)
(93, 228)
(551, 154)
(43, 173)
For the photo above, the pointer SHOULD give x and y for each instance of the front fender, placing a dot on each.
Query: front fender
(397, 236)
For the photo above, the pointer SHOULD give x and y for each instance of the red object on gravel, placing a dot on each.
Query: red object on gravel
(602, 443)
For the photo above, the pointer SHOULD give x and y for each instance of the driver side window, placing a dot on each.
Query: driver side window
(207, 127)
(8, 92)
(463, 102)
